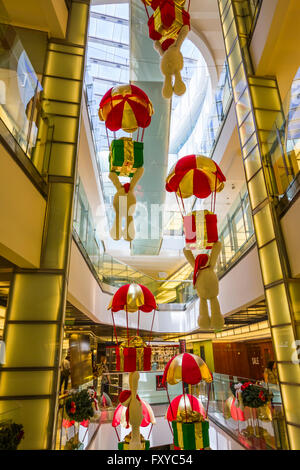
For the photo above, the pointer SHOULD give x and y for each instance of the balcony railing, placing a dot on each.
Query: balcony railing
(236, 234)
(260, 428)
(284, 143)
(20, 99)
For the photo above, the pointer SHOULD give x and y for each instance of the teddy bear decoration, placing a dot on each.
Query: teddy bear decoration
(125, 107)
(168, 27)
(201, 177)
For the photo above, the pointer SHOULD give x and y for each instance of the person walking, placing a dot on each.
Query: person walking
(65, 370)
(105, 378)
(96, 374)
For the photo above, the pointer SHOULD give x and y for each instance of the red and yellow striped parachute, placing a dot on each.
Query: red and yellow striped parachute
(125, 107)
(195, 175)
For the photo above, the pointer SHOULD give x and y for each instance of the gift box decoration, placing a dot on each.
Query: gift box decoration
(125, 156)
(132, 355)
(191, 432)
(124, 445)
(167, 21)
(155, 3)
(200, 228)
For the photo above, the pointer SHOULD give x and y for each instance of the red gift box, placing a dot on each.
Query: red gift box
(204, 236)
(132, 359)
(167, 21)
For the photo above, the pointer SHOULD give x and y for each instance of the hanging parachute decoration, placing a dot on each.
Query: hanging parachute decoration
(186, 368)
(201, 177)
(128, 108)
(125, 107)
(168, 27)
(184, 404)
(133, 354)
(190, 426)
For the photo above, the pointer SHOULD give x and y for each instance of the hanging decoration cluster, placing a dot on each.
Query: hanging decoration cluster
(128, 108)
(248, 401)
(186, 413)
(168, 27)
(133, 355)
(201, 177)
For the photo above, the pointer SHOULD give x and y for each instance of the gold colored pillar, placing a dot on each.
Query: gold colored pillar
(33, 332)
(258, 106)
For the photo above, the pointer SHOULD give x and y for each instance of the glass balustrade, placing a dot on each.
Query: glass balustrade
(236, 232)
(284, 142)
(20, 97)
(261, 428)
(211, 125)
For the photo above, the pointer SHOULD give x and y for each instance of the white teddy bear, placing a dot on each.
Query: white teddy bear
(171, 64)
(124, 204)
(207, 286)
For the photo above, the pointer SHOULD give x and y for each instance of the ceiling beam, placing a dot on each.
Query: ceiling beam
(111, 19)
(108, 42)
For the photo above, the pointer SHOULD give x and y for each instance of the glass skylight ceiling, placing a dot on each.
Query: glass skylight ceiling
(108, 65)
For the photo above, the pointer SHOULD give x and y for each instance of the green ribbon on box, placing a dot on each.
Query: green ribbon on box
(125, 445)
(191, 436)
(125, 156)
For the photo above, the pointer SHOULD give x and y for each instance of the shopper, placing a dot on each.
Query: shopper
(65, 370)
(105, 379)
(96, 374)
(270, 373)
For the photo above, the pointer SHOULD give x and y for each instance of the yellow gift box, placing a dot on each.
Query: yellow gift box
(124, 445)
(177, 13)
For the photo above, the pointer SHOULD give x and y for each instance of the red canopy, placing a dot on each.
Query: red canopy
(184, 402)
(121, 414)
(133, 297)
(187, 368)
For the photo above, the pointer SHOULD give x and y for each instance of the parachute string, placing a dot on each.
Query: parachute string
(138, 328)
(150, 337)
(127, 325)
(142, 139)
(179, 206)
(138, 134)
(117, 434)
(146, 10)
(107, 137)
(208, 400)
(173, 416)
(184, 401)
(215, 194)
(115, 329)
(150, 431)
(181, 199)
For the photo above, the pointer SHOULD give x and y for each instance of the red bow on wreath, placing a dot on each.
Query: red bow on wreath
(73, 407)
(262, 396)
(246, 385)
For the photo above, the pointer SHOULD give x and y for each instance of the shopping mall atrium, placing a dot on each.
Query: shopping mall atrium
(149, 225)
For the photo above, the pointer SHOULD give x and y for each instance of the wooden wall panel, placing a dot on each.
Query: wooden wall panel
(243, 359)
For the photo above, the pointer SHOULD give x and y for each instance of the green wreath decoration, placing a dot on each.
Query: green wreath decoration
(254, 396)
(79, 406)
(11, 435)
